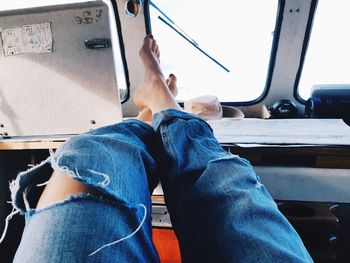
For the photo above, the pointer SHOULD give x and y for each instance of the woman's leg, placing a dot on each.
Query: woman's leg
(219, 209)
(99, 193)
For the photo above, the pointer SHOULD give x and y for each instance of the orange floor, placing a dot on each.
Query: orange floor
(167, 245)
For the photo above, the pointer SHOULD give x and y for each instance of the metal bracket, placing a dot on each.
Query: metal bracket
(160, 216)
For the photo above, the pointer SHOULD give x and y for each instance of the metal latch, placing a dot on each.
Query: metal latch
(97, 43)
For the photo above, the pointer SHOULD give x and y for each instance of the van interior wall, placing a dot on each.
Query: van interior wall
(66, 80)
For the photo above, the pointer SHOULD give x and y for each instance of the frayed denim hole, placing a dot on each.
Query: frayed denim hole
(99, 181)
(76, 198)
(25, 182)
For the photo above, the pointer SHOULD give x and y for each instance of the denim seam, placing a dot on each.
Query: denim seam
(165, 139)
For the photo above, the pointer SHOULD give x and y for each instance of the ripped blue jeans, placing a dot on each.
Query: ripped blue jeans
(219, 209)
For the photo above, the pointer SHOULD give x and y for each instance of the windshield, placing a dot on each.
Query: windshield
(223, 50)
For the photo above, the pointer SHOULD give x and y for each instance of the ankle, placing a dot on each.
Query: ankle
(163, 100)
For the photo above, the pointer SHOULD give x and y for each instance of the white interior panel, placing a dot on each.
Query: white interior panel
(67, 91)
(306, 184)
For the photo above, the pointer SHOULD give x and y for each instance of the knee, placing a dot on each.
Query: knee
(60, 187)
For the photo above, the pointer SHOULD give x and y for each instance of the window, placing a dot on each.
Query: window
(228, 46)
(328, 56)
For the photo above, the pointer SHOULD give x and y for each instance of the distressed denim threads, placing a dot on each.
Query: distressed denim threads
(119, 161)
(219, 209)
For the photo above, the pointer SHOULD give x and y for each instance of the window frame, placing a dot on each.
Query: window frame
(271, 62)
(308, 31)
(122, 52)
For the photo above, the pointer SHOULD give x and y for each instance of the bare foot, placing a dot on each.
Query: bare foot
(146, 114)
(153, 91)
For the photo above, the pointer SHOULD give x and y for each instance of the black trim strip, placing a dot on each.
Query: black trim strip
(306, 42)
(147, 17)
(122, 50)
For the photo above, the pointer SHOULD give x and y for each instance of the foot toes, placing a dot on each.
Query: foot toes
(171, 81)
(154, 46)
(157, 53)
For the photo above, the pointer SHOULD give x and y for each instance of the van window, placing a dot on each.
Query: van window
(328, 57)
(216, 48)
